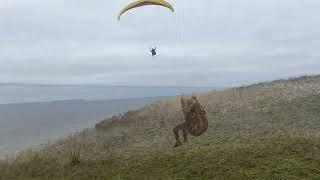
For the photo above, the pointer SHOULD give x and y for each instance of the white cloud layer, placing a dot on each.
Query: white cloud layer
(204, 43)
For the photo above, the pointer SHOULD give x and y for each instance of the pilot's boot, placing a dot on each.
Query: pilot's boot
(178, 143)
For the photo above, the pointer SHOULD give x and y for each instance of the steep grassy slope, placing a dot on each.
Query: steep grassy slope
(268, 130)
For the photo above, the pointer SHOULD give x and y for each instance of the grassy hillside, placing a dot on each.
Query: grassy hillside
(263, 131)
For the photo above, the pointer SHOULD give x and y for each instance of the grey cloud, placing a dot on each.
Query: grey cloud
(212, 42)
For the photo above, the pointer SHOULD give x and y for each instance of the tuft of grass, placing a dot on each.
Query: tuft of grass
(74, 157)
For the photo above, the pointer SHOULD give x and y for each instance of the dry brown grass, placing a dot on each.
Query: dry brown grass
(158, 119)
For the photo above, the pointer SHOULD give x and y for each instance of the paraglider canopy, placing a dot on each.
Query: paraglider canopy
(141, 3)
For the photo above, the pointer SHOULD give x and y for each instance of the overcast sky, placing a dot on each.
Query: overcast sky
(204, 43)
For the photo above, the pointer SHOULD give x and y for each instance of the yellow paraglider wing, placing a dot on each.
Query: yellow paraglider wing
(141, 3)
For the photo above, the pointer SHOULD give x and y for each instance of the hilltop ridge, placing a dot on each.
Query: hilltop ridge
(217, 102)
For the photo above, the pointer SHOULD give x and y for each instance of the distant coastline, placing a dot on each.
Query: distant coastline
(29, 93)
